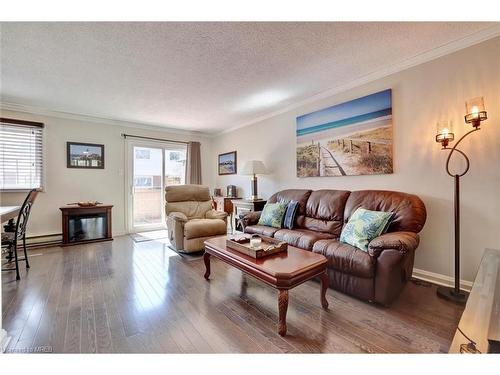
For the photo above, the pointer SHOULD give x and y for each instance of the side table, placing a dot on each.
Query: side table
(244, 206)
(225, 204)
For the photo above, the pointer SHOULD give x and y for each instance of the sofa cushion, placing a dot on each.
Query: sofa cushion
(204, 227)
(192, 200)
(272, 215)
(261, 229)
(302, 238)
(290, 214)
(183, 193)
(298, 195)
(325, 211)
(364, 226)
(192, 209)
(409, 210)
(346, 258)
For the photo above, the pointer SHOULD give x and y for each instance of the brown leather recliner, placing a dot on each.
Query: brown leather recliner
(377, 275)
(190, 217)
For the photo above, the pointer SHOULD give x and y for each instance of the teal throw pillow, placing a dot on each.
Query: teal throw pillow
(272, 214)
(363, 226)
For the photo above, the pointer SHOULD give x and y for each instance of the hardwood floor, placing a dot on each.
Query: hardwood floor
(129, 297)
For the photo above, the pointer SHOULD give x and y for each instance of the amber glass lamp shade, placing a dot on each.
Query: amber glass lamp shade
(444, 130)
(475, 111)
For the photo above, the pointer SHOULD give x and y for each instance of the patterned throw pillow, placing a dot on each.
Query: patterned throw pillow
(272, 214)
(291, 212)
(363, 226)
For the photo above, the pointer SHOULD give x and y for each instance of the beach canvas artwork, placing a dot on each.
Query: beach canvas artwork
(348, 139)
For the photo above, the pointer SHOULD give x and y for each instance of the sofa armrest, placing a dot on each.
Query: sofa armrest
(178, 216)
(213, 214)
(175, 228)
(403, 242)
(250, 218)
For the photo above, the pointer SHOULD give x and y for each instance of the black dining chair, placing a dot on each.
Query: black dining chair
(17, 232)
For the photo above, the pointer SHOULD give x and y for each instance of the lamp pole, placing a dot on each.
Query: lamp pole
(475, 114)
(455, 294)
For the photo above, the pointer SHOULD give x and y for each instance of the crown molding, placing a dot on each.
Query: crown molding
(5, 106)
(419, 59)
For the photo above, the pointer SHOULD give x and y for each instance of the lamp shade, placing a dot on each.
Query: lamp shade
(254, 167)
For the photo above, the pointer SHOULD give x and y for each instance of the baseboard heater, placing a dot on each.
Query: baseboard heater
(45, 240)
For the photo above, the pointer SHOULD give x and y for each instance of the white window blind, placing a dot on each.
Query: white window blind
(21, 156)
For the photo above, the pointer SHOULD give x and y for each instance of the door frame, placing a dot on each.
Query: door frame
(129, 175)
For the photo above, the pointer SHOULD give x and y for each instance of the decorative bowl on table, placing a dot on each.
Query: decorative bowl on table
(87, 203)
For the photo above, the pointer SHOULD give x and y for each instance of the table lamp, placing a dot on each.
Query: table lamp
(253, 168)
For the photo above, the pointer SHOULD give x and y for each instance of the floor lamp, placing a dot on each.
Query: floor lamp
(475, 115)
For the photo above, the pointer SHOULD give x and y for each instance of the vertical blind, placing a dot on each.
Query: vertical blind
(21, 156)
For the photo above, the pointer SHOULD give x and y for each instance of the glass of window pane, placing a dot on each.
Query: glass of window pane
(175, 167)
(147, 187)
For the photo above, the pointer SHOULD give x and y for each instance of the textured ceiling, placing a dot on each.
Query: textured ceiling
(199, 76)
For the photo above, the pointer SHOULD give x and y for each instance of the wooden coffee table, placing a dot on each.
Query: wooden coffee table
(282, 271)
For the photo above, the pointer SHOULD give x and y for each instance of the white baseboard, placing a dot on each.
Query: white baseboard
(440, 279)
(4, 340)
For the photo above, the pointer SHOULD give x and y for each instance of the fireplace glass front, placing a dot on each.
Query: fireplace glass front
(87, 227)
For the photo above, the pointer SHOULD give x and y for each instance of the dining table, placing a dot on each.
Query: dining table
(8, 213)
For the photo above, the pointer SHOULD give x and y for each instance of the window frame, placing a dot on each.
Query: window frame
(35, 124)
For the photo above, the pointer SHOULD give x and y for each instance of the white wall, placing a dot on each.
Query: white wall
(64, 185)
(422, 95)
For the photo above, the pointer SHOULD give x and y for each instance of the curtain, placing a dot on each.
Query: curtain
(193, 163)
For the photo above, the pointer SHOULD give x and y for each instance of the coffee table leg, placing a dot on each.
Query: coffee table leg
(282, 309)
(324, 287)
(206, 259)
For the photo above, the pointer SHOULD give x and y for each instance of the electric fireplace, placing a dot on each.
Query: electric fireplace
(86, 224)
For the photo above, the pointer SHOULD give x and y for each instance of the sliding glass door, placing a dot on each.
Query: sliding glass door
(152, 166)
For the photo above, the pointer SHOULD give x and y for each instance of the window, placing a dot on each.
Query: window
(174, 155)
(143, 181)
(21, 156)
(142, 153)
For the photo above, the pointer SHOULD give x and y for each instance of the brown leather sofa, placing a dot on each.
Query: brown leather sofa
(378, 275)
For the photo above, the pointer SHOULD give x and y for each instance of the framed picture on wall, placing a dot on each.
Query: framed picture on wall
(84, 155)
(227, 163)
(348, 139)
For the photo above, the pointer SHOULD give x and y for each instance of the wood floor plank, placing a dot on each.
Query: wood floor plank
(127, 297)
(61, 319)
(72, 335)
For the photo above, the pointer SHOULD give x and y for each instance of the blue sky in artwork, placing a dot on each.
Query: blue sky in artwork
(367, 104)
(228, 157)
(79, 150)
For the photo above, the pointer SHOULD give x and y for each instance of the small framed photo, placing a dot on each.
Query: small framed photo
(85, 155)
(227, 163)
